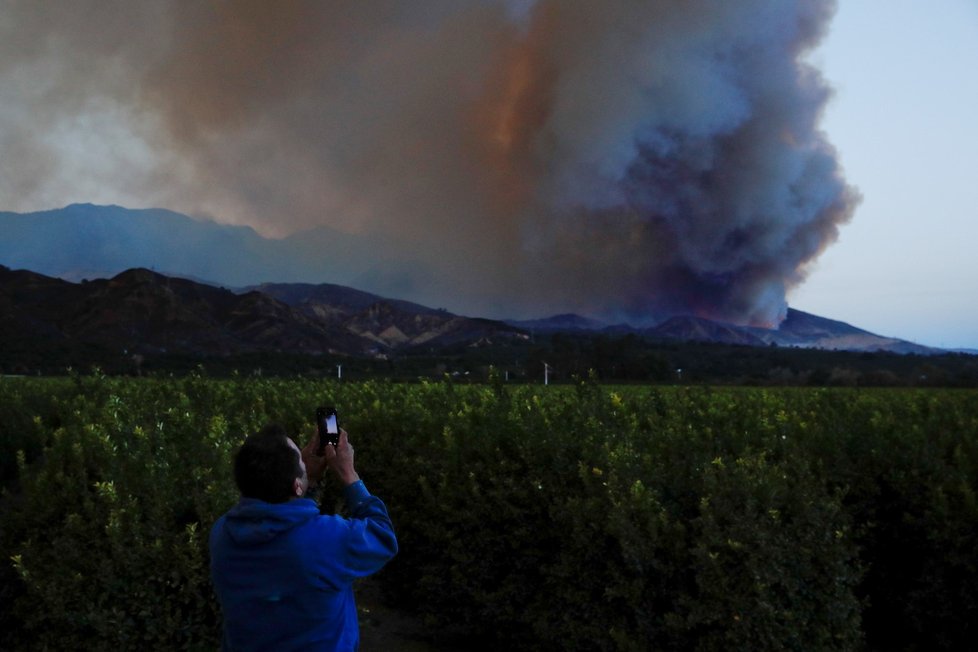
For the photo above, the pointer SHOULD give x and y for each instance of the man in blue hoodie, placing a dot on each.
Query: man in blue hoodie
(284, 573)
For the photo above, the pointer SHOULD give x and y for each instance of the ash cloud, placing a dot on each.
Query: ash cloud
(624, 159)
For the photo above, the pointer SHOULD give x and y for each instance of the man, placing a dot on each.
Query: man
(284, 573)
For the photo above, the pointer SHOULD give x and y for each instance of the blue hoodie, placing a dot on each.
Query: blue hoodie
(284, 573)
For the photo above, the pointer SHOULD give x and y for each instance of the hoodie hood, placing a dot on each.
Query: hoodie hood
(253, 521)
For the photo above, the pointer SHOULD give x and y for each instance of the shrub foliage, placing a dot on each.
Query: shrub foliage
(540, 518)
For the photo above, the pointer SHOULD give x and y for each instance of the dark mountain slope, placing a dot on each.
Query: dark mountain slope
(696, 329)
(142, 312)
(387, 322)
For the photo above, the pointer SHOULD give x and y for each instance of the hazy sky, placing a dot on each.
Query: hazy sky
(667, 154)
(905, 121)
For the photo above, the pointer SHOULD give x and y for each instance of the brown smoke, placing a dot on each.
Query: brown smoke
(620, 158)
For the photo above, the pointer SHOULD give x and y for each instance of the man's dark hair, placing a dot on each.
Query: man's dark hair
(265, 466)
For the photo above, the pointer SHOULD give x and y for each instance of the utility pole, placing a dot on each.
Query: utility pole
(546, 374)
(339, 372)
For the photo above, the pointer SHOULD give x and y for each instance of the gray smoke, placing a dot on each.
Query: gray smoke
(619, 158)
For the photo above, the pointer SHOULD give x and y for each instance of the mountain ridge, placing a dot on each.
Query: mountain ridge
(799, 329)
(143, 312)
(86, 240)
(80, 239)
(153, 313)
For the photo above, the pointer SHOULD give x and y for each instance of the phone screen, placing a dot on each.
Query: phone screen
(331, 426)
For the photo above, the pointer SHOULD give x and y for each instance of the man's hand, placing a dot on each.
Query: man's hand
(315, 464)
(340, 460)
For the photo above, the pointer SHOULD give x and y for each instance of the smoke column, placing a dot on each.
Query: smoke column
(628, 159)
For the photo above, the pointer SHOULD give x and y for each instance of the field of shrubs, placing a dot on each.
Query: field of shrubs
(573, 517)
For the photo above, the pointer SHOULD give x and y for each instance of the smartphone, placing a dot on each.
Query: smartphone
(329, 427)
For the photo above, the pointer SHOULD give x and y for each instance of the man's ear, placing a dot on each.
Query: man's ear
(297, 487)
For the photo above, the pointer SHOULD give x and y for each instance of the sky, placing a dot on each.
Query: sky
(620, 159)
(903, 118)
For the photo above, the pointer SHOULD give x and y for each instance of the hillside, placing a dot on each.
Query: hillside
(84, 241)
(143, 313)
(140, 321)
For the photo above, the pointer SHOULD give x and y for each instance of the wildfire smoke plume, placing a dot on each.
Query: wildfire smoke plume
(626, 158)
